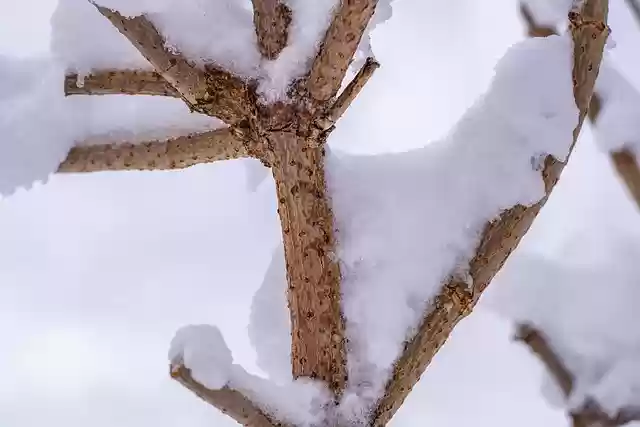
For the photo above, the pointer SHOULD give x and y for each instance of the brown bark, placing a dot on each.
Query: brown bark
(624, 161)
(588, 415)
(229, 402)
(500, 237)
(118, 82)
(339, 46)
(213, 91)
(177, 153)
(317, 337)
(271, 19)
(352, 90)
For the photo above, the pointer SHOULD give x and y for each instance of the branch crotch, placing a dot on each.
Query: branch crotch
(313, 274)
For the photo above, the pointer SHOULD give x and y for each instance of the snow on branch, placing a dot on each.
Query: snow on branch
(117, 82)
(621, 106)
(271, 19)
(352, 90)
(500, 237)
(179, 153)
(202, 362)
(339, 46)
(213, 91)
(589, 414)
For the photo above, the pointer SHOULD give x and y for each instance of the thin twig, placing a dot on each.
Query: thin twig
(271, 19)
(353, 89)
(230, 402)
(117, 82)
(339, 46)
(178, 153)
(500, 237)
(540, 346)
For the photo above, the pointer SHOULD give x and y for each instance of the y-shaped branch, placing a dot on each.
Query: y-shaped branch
(500, 237)
(271, 19)
(339, 46)
(117, 82)
(214, 91)
(352, 90)
(179, 153)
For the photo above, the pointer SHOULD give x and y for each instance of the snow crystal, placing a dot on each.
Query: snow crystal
(407, 221)
(202, 349)
(618, 125)
(588, 313)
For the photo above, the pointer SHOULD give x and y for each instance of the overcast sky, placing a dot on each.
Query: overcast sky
(98, 271)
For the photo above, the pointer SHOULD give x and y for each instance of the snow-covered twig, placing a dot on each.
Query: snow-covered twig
(589, 414)
(353, 89)
(214, 92)
(271, 19)
(179, 153)
(339, 45)
(230, 402)
(116, 82)
(625, 161)
(457, 297)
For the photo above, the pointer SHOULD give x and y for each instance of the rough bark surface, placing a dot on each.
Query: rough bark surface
(179, 153)
(117, 82)
(312, 269)
(500, 238)
(271, 19)
(229, 402)
(339, 46)
(352, 90)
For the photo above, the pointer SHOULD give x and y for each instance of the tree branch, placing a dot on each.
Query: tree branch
(213, 91)
(179, 153)
(271, 19)
(229, 402)
(119, 82)
(500, 237)
(339, 45)
(353, 89)
(539, 345)
(313, 274)
(624, 161)
(635, 9)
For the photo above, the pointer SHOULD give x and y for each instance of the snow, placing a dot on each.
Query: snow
(549, 12)
(202, 350)
(618, 125)
(407, 221)
(587, 309)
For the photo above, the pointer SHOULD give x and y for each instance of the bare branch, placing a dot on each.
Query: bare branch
(271, 19)
(313, 275)
(628, 168)
(229, 402)
(179, 153)
(500, 238)
(539, 345)
(534, 29)
(213, 91)
(635, 9)
(339, 46)
(353, 89)
(119, 82)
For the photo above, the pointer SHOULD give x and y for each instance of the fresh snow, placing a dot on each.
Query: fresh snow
(550, 12)
(587, 309)
(407, 221)
(618, 125)
(203, 350)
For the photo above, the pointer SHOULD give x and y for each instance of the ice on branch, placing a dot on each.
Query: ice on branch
(203, 350)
